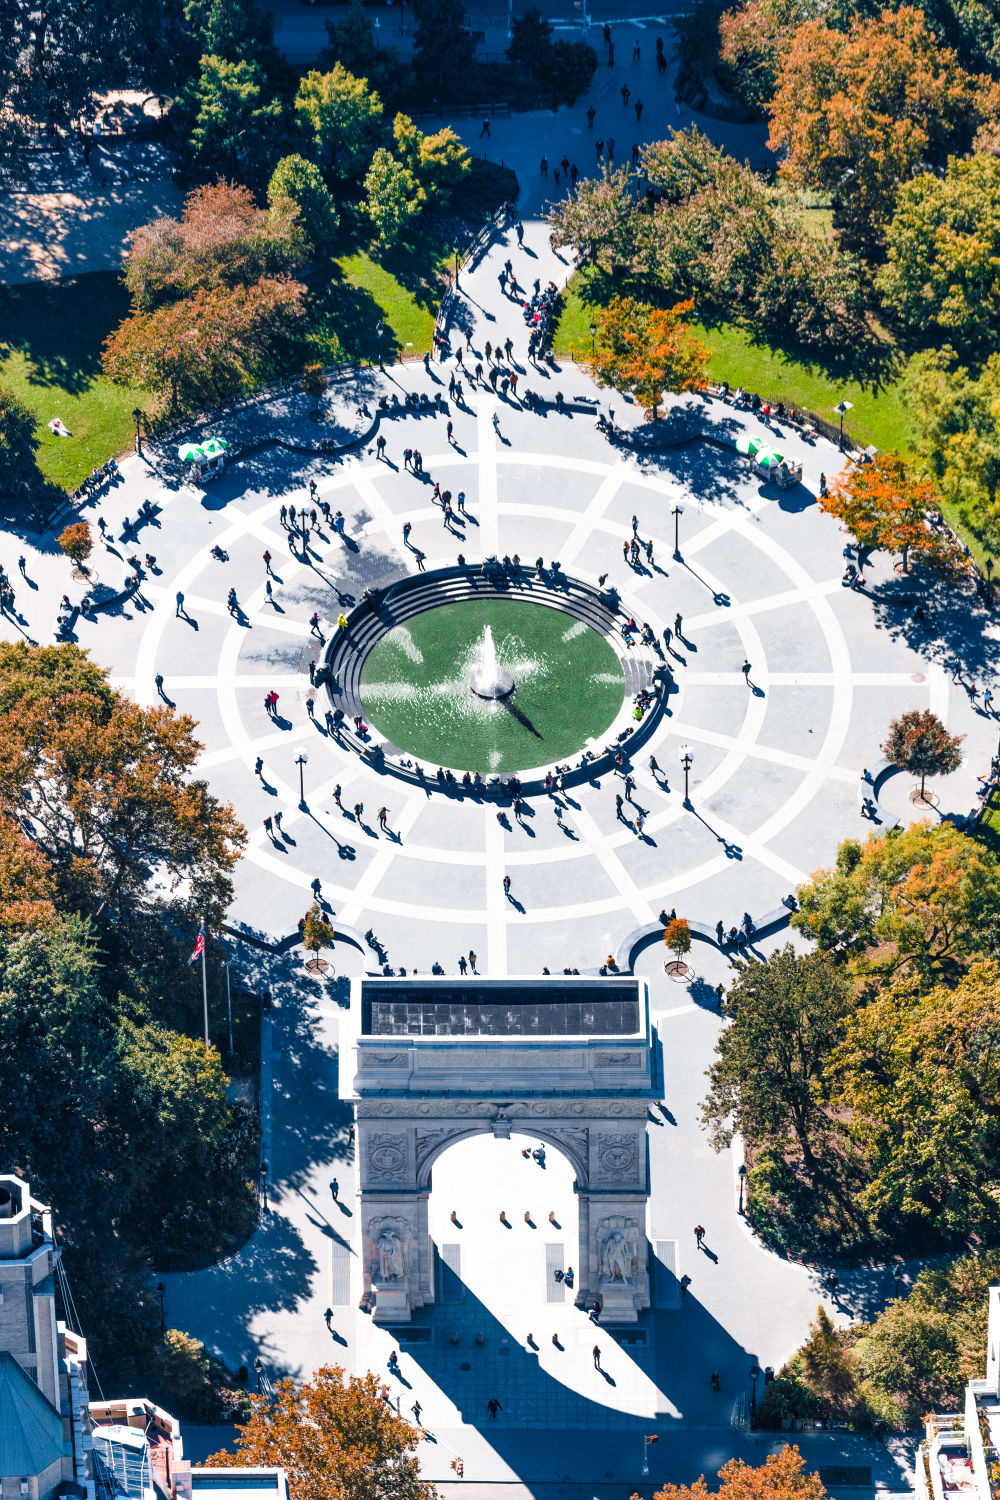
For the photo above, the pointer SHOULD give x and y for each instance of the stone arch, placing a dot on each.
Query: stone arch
(566, 1061)
(429, 1153)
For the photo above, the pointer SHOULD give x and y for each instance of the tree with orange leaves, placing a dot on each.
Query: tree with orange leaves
(104, 788)
(858, 113)
(782, 1476)
(919, 742)
(884, 504)
(647, 350)
(333, 1435)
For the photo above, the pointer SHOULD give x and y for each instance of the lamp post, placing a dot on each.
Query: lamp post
(379, 332)
(593, 340)
(376, 28)
(677, 513)
(897, 1276)
(258, 1365)
(647, 1438)
(301, 761)
(137, 419)
(743, 1183)
(161, 1292)
(755, 1373)
(263, 1185)
(229, 1004)
(687, 761)
(842, 408)
(989, 582)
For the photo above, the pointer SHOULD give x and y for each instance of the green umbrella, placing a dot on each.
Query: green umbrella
(189, 452)
(768, 459)
(214, 446)
(747, 445)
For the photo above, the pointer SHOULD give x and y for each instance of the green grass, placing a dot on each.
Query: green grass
(878, 417)
(569, 686)
(51, 334)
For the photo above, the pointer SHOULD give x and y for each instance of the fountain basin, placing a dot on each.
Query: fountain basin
(495, 684)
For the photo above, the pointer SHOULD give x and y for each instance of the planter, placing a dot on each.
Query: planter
(923, 799)
(678, 970)
(317, 965)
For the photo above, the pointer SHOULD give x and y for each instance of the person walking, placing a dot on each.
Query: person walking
(591, 113)
(416, 1409)
(180, 612)
(359, 809)
(335, 1190)
(258, 769)
(485, 130)
(597, 1357)
(328, 1316)
(506, 886)
(626, 94)
(269, 828)
(493, 1406)
(716, 1382)
(639, 107)
(543, 166)
(383, 817)
(679, 624)
(699, 1235)
(746, 672)
(473, 960)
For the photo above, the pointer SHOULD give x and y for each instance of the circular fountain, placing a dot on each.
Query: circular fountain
(488, 679)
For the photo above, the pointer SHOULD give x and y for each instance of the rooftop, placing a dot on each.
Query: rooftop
(557, 1007)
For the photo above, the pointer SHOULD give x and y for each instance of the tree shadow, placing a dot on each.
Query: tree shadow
(59, 326)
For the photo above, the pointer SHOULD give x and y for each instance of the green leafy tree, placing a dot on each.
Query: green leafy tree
(302, 183)
(569, 70)
(437, 163)
(958, 422)
(647, 350)
(599, 215)
(917, 899)
(919, 742)
(390, 197)
(238, 30)
(530, 47)
(828, 1366)
(912, 1356)
(352, 42)
(341, 116)
(233, 125)
(767, 1080)
(942, 279)
(917, 1075)
(443, 44)
(18, 445)
(316, 932)
(333, 1432)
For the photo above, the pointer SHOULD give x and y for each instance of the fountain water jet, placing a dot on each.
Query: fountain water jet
(489, 680)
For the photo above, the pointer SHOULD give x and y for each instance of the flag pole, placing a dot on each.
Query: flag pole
(204, 989)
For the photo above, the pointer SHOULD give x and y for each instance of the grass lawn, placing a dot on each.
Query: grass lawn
(51, 333)
(878, 417)
(50, 355)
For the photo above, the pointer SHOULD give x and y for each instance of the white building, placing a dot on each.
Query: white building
(959, 1458)
(139, 1455)
(44, 1428)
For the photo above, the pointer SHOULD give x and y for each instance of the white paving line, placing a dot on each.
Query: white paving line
(800, 679)
(763, 604)
(378, 865)
(586, 523)
(489, 520)
(804, 763)
(940, 692)
(496, 901)
(620, 878)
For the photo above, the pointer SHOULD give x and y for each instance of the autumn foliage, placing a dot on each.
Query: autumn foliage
(858, 112)
(76, 541)
(884, 504)
(334, 1436)
(919, 742)
(647, 350)
(103, 789)
(677, 936)
(782, 1476)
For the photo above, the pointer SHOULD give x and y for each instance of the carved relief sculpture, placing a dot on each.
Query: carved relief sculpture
(618, 1245)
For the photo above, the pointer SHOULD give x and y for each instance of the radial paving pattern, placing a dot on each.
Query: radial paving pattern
(776, 761)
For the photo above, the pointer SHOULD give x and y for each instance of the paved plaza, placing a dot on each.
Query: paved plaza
(775, 786)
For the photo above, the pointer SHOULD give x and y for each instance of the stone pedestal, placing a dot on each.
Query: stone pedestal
(392, 1302)
(618, 1303)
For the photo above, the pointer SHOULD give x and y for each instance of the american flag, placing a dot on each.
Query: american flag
(199, 947)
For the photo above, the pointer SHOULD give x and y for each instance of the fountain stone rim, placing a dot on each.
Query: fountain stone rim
(495, 686)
